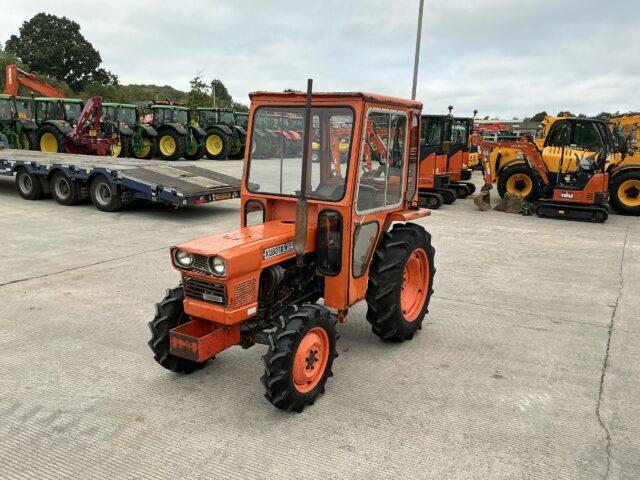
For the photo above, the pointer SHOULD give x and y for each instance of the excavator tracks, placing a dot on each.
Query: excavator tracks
(564, 211)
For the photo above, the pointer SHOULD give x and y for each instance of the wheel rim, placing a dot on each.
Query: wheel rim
(103, 193)
(629, 193)
(167, 145)
(520, 184)
(25, 183)
(116, 149)
(214, 144)
(415, 280)
(311, 359)
(49, 143)
(24, 141)
(145, 149)
(62, 187)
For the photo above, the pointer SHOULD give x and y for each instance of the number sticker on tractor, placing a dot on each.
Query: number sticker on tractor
(278, 250)
(223, 196)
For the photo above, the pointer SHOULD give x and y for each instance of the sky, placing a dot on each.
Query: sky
(505, 58)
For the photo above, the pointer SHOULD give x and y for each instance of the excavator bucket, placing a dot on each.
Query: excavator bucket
(483, 200)
(511, 203)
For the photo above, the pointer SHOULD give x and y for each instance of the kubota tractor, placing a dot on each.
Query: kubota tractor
(570, 139)
(69, 125)
(16, 123)
(309, 231)
(136, 139)
(178, 134)
(223, 138)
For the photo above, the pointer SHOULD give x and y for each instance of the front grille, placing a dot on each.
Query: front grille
(204, 291)
(201, 264)
(244, 293)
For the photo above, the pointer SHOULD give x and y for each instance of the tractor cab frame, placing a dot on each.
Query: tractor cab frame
(16, 123)
(223, 139)
(136, 139)
(178, 133)
(309, 230)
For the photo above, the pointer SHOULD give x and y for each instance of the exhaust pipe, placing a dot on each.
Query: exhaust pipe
(302, 217)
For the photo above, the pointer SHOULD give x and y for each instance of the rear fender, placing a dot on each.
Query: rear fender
(65, 128)
(176, 127)
(126, 131)
(147, 130)
(197, 131)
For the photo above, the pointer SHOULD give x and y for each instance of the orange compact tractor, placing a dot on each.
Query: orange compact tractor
(310, 230)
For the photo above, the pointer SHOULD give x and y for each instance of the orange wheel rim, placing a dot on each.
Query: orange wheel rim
(311, 359)
(415, 283)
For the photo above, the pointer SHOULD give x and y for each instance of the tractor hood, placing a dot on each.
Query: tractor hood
(250, 248)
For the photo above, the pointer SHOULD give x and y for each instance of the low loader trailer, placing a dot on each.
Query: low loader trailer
(111, 183)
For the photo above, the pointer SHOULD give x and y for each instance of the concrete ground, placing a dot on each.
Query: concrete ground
(527, 367)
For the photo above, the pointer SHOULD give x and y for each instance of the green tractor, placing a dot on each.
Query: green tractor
(224, 138)
(137, 140)
(178, 135)
(16, 124)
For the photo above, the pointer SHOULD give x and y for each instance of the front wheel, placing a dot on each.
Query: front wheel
(625, 192)
(169, 315)
(146, 149)
(300, 356)
(51, 140)
(171, 145)
(400, 282)
(518, 180)
(217, 144)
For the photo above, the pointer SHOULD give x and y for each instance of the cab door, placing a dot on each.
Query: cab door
(556, 147)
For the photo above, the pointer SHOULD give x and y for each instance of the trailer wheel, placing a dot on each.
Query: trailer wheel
(171, 145)
(64, 190)
(104, 195)
(170, 314)
(28, 185)
(625, 192)
(300, 356)
(216, 144)
(400, 282)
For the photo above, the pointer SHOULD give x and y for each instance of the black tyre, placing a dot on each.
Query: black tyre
(50, 139)
(169, 315)
(239, 155)
(125, 147)
(147, 149)
(448, 196)
(195, 153)
(28, 185)
(64, 190)
(104, 195)
(28, 140)
(216, 144)
(625, 192)
(300, 357)
(518, 180)
(400, 282)
(462, 191)
(171, 145)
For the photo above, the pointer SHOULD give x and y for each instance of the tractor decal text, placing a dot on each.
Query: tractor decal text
(278, 250)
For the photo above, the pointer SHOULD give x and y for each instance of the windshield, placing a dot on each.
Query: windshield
(127, 115)
(177, 116)
(242, 121)
(432, 131)
(72, 111)
(24, 107)
(275, 159)
(227, 118)
(459, 132)
(6, 112)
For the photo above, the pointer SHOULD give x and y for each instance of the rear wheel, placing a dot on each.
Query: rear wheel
(518, 180)
(169, 315)
(625, 192)
(51, 140)
(300, 356)
(28, 185)
(64, 190)
(171, 145)
(148, 148)
(104, 195)
(27, 140)
(217, 144)
(400, 282)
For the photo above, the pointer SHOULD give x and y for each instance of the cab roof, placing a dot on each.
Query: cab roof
(118, 105)
(215, 109)
(169, 107)
(296, 96)
(51, 99)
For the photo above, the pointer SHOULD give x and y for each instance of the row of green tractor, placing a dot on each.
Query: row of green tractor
(169, 130)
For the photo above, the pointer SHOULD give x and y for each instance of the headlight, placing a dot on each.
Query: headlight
(218, 266)
(183, 259)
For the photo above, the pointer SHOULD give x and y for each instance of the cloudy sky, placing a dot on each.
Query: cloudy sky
(504, 57)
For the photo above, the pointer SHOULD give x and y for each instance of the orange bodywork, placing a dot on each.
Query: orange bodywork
(15, 77)
(249, 250)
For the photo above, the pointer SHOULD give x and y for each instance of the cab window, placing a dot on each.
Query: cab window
(560, 135)
(586, 136)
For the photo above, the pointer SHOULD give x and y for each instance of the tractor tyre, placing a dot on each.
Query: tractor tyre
(28, 140)
(171, 145)
(196, 153)
(104, 195)
(169, 315)
(239, 155)
(625, 192)
(216, 144)
(28, 185)
(123, 148)
(64, 190)
(300, 356)
(148, 149)
(51, 140)
(518, 180)
(400, 282)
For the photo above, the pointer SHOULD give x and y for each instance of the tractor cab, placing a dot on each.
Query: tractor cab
(337, 228)
(223, 137)
(241, 119)
(63, 110)
(122, 114)
(16, 123)
(178, 133)
(137, 140)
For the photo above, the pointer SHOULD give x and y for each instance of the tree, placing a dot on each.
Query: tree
(198, 96)
(538, 117)
(220, 94)
(54, 46)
